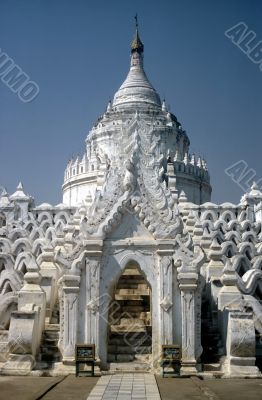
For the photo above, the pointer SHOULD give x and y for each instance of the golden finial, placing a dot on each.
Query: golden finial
(137, 44)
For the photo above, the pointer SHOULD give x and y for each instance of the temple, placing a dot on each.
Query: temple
(136, 257)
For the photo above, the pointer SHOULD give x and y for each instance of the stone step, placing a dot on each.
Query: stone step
(49, 341)
(139, 291)
(115, 320)
(50, 352)
(50, 334)
(54, 320)
(212, 367)
(130, 308)
(131, 321)
(145, 314)
(127, 312)
(211, 374)
(127, 285)
(52, 327)
(120, 357)
(120, 349)
(130, 271)
(143, 349)
(131, 367)
(132, 274)
(134, 340)
(127, 349)
(132, 334)
(50, 358)
(136, 285)
(144, 346)
(126, 305)
(128, 328)
(49, 349)
(130, 281)
(111, 358)
(133, 285)
(132, 303)
(128, 297)
(40, 365)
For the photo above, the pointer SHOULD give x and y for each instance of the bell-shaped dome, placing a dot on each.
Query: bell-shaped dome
(136, 88)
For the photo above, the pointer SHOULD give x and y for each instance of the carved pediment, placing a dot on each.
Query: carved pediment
(130, 227)
(135, 185)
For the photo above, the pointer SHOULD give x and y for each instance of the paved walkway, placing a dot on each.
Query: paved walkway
(131, 386)
(126, 387)
(46, 388)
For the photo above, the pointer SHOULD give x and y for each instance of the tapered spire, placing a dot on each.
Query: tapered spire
(136, 88)
(137, 45)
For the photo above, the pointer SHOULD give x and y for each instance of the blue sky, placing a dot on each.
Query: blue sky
(78, 53)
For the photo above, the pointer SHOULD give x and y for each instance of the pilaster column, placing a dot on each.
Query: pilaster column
(92, 299)
(70, 293)
(166, 297)
(188, 286)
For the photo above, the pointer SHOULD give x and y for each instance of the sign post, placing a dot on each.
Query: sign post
(171, 357)
(85, 354)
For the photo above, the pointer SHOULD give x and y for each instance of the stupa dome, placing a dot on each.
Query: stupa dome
(136, 88)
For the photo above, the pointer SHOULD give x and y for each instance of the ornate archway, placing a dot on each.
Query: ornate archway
(130, 319)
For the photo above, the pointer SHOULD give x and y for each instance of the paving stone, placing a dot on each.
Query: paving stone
(126, 387)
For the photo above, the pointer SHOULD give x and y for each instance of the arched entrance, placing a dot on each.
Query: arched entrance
(129, 319)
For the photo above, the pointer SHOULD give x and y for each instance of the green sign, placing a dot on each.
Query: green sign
(171, 352)
(85, 352)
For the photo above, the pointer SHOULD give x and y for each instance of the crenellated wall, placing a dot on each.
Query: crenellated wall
(205, 254)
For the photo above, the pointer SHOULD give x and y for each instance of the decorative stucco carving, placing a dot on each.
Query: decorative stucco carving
(136, 158)
(166, 303)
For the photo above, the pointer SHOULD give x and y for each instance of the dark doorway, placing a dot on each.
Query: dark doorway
(130, 326)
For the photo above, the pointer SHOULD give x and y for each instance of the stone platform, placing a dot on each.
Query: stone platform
(72, 388)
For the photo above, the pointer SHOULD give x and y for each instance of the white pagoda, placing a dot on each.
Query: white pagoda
(135, 257)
